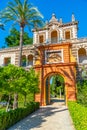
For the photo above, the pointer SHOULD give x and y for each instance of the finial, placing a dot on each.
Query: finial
(53, 15)
(60, 20)
(73, 17)
(53, 19)
(46, 22)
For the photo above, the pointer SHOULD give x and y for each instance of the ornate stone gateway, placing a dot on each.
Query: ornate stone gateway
(56, 59)
(56, 49)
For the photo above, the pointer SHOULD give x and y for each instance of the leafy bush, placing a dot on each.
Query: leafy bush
(8, 119)
(79, 115)
(82, 92)
(4, 97)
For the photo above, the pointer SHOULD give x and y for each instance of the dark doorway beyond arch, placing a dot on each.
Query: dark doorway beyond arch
(55, 89)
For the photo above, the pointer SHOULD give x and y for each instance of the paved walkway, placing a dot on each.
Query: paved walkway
(51, 117)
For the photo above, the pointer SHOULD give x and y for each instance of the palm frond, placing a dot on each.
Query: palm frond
(2, 26)
(13, 11)
(18, 2)
(35, 10)
(23, 13)
(11, 4)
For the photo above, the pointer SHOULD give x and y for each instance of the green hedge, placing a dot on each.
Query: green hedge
(8, 119)
(82, 92)
(79, 115)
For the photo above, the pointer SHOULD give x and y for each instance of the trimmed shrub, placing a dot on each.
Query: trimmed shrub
(8, 119)
(79, 115)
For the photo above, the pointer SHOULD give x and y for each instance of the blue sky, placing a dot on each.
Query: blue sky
(62, 8)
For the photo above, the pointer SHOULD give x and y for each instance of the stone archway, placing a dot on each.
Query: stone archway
(24, 60)
(30, 60)
(68, 72)
(65, 67)
(47, 88)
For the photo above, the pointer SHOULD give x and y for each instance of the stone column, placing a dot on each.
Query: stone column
(33, 60)
(47, 39)
(26, 60)
(49, 90)
(35, 38)
(61, 34)
(77, 55)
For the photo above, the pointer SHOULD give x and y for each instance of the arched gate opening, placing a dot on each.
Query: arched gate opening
(54, 89)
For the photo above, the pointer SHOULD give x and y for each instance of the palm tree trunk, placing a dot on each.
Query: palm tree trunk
(15, 105)
(21, 43)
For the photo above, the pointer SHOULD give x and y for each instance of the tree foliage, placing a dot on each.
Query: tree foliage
(1, 26)
(82, 88)
(22, 13)
(14, 38)
(16, 80)
(57, 85)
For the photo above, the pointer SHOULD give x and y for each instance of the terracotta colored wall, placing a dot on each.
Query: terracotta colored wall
(66, 69)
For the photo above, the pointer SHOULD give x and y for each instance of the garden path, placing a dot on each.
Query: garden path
(52, 117)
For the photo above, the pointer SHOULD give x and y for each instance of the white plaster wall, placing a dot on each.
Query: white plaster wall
(34, 37)
(74, 31)
(46, 35)
(61, 34)
(7, 55)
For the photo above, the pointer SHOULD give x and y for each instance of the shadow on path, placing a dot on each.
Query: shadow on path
(37, 118)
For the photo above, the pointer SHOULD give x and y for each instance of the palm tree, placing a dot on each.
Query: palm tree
(1, 26)
(22, 13)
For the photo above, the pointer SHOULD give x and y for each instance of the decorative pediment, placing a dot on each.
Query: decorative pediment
(53, 22)
(53, 19)
(54, 57)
